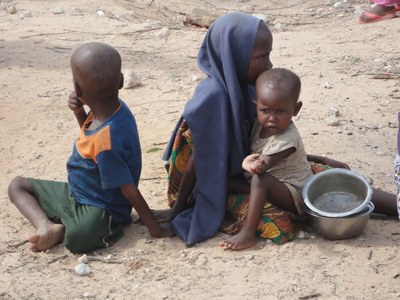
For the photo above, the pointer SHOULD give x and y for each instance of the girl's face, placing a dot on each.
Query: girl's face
(259, 60)
(275, 110)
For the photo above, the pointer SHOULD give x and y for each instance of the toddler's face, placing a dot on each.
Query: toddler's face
(259, 60)
(275, 110)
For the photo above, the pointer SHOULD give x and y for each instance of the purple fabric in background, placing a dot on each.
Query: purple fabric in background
(386, 2)
(398, 134)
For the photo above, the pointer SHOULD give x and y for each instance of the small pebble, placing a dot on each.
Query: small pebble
(301, 234)
(82, 269)
(58, 11)
(338, 5)
(83, 259)
(332, 121)
(195, 78)
(333, 111)
(11, 10)
(108, 257)
(131, 80)
(89, 295)
(163, 33)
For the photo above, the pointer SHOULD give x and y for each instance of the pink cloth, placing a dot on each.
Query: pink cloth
(386, 2)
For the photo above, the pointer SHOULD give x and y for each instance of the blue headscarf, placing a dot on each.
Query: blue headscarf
(219, 116)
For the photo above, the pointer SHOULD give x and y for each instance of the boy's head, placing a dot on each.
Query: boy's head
(277, 94)
(96, 70)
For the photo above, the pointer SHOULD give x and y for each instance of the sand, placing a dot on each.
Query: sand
(345, 67)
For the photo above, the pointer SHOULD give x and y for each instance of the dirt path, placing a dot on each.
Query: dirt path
(342, 64)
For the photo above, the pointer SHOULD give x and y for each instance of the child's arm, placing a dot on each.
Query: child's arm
(185, 189)
(77, 107)
(132, 193)
(327, 161)
(259, 164)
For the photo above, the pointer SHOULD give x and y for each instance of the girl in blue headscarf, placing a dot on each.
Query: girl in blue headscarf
(211, 138)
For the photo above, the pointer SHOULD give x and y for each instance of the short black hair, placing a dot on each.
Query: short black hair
(98, 64)
(280, 78)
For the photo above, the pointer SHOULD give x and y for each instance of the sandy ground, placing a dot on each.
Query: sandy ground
(352, 67)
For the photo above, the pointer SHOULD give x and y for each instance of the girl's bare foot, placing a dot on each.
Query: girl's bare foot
(239, 241)
(46, 237)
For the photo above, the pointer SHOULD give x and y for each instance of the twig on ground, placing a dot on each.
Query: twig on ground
(332, 12)
(299, 23)
(151, 178)
(316, 295)
(105, 260)
(48, 33)
(143, 30)
(7, 251)
(351, 41)
(386, 76)
(159, 144)
(17, 244)
(59, 49)
(58, 258)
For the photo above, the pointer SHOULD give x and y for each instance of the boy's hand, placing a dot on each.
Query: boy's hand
(74, 103)
(76, 106)
(135, 198)
(166, 230)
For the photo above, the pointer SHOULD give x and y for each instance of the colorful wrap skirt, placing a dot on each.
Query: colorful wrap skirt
(275, 224)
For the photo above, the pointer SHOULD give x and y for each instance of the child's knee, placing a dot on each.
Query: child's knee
(17, 184)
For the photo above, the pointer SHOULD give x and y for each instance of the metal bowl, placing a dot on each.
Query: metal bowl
(340, 228)
(337, 193)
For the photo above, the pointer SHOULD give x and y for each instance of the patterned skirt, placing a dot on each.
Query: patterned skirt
(275, 224)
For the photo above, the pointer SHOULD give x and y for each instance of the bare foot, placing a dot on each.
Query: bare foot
(46, 237)
(164, 215)
(239, 241)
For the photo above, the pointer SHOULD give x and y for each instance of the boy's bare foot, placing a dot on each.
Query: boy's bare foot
(239, 241)
(164, 215)
(46, 237)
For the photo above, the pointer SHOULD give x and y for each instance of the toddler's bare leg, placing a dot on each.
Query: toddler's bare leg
(384, 202)
(23, 197)
(262, 188)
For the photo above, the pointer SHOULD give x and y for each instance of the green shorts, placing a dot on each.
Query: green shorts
(87, 227)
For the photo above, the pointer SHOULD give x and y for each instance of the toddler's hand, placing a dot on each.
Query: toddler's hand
(253, 164)
(257, 167)
(74, 103)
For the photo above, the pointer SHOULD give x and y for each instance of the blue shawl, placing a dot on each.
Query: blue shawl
(219, 116)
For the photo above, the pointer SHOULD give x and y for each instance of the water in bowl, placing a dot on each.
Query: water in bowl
(337, 202)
